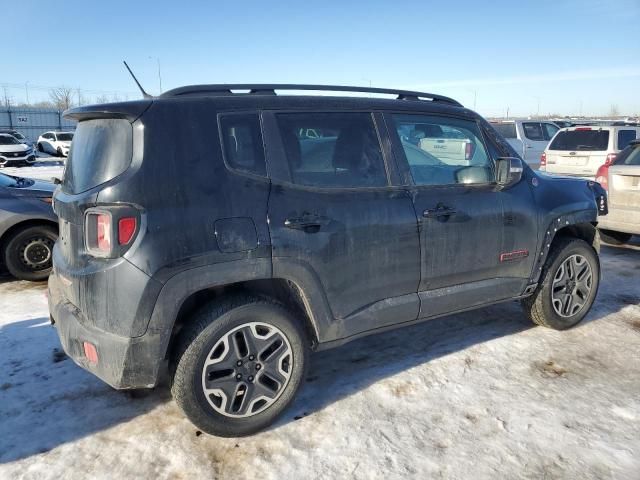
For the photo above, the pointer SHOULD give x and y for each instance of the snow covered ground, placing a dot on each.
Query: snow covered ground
(480, 395)
(44, 168)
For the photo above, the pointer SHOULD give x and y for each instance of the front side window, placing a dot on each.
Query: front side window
(443, 151)
(625, 137)
(533, 131)
(332, 149)
(65, 137)
(242, 142)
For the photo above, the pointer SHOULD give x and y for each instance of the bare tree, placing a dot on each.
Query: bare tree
(62, 97)
(102, 99)
(614, 111)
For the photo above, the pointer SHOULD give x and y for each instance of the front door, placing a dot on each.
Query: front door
(335, 220)
(460, 212)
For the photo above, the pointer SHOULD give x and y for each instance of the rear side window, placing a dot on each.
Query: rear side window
(533, 131)
(549, 130)
(586, 140)
(101, 150)
(332, 149)
(507, 130)
(242, 142)
(630, 156)
(625, 137)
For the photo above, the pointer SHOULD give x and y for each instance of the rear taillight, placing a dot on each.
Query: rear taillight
(602, 176)
(469, 148)
(582, 129)
(103, 232)
(543, 159)
(126, 229)
(610, 159)
(107, 231)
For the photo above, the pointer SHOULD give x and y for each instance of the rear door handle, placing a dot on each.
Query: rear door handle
(308, 223)
(439, 211)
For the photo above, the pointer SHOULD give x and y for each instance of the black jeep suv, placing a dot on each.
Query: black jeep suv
(222, 232)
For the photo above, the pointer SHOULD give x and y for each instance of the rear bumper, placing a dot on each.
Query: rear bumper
(123, 362)
(621, 220)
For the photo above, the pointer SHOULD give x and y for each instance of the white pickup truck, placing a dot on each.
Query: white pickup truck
(528, 137)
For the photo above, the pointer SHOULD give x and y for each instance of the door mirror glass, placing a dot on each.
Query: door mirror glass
(508, 171)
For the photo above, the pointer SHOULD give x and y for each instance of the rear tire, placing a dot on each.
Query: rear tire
(615, 238)
(568, 285)
(28, 252)
(59, 152)
(250, 354)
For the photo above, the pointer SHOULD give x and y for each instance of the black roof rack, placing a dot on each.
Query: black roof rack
(270, 89)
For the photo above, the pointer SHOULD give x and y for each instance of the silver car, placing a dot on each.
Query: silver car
(622, 180)
(28, 227)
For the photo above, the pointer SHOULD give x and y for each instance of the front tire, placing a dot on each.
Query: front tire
(238, 365)
(28, 252)
(40, 148)
(615, 238)
(59, 152)
(568, 285)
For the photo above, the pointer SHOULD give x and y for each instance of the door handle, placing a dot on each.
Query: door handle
(308, 223)
(439, 211)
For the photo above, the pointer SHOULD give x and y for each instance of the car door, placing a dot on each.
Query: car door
(460, 212)
(338, 228)
(534, 143)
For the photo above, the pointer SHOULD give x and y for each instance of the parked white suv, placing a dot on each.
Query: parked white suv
(579, 151)
(621, 179)
(57, 143)
(528, 137)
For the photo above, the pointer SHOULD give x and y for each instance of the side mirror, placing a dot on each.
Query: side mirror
(508, 171)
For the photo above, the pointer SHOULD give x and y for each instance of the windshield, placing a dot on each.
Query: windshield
(590, 140)
(8, 140)
(65, 137)
(6, 180)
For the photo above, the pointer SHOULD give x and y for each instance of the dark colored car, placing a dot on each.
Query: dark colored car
(28, 227)
(226, 235)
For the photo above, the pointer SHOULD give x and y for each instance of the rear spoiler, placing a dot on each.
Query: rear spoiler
(127, 110)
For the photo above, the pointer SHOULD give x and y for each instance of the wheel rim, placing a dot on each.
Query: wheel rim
(35, 253)
(572, 286)
(247, 370)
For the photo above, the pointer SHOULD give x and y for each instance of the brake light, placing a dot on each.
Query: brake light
(581, 129)
(543, 159)
(103, 232)
(126, 229)
(108, 230)
(610, 159)
(602, 176)
(468, 150)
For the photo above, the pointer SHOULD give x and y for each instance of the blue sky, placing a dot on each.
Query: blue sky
(567, 56)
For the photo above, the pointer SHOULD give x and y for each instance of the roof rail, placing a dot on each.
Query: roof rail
(270, 89)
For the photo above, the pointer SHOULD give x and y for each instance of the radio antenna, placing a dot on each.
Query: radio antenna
(144, 94)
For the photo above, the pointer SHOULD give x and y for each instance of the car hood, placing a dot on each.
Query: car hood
(35, 188)
(13, 148)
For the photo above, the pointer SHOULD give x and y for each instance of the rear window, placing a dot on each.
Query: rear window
(625, 137)
(101, 150)
(591, 140)
(507, 130)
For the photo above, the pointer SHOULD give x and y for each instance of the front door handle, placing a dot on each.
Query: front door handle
(439, 211)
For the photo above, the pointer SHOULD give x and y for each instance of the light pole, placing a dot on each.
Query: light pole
(159, 74)
(475, 97)
(538, 110)
(26, 91)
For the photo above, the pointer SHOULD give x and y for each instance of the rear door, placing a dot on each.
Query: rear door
(535, 139)
(578, 151)
(337, 225)
(460, 214)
